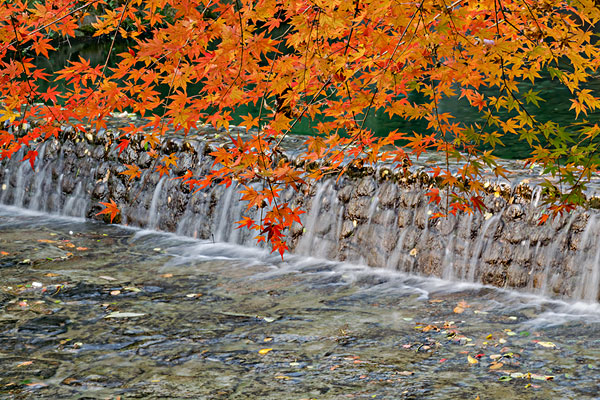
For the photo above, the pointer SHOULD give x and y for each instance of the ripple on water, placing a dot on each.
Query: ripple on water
(200, 312)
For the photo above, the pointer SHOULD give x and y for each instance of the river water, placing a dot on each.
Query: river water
(99, 311)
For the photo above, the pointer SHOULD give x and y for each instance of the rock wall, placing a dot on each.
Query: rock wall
(373, 218)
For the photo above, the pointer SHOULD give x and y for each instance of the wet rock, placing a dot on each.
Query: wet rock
(410, 198)
(514, 211)
(388, 195)
(358, 208)
(366, 187)
(405, 217)
(49, 325)
(344, 193)
(68, 184)
(144, 160)
(347, 229)
(515, 232)
(517, 276)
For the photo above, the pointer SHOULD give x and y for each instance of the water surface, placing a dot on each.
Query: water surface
(98, 311)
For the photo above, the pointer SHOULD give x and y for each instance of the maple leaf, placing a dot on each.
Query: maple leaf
(31, 156)
(123, 145)
(434, 195)
(248, 121)
(111, 209)
(133, 171)
(50, 94)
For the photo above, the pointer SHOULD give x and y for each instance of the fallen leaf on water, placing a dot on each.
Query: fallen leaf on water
(24, 363)
(547, 344)
(283, 377)
(46, 241)
(267, 339)
(81, 248)
(191, 295)
(443, 360)
(115, 292)
(124, 315)
(496, 365)
(4, 253)
(405, 373)
(51, 274)
(459, 310)
(472, 360)
(36, 384)
(108, 278)
(69, 245)
(505, 379)
(264, 351)
(166, 275)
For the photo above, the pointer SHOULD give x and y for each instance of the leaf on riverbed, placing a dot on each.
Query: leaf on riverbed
(124, 315)
(472, 360)
(46, 241)
(547, 344)
(461, 307)
(264, 351)
(496, 365)
(24, 363)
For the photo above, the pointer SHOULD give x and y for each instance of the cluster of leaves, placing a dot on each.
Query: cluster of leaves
(327, 63)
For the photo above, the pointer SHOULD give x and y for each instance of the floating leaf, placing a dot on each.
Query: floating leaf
(264, 351)
(472, 360)
(496, 365)
(24, 363)
(547, 344)
(505, 378)
(124, 315)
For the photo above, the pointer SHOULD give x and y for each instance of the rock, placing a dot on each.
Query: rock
(366, 187)
(358, 208)
(388, 195)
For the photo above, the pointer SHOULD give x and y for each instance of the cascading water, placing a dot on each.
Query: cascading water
(376, 222)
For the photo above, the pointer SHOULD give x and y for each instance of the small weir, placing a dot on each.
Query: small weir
(367, 220)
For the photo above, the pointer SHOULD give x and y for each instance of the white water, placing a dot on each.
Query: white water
(378, 239)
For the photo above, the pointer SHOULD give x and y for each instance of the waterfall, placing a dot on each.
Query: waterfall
(153, 214)
(377, 222)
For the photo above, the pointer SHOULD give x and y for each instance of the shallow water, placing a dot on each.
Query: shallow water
(97, 311)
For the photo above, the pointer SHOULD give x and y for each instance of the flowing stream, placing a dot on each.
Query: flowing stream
(97, 311)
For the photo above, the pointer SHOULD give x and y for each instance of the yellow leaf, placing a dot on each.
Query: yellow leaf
(547, 344)
(264, 351)
(472, 360)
